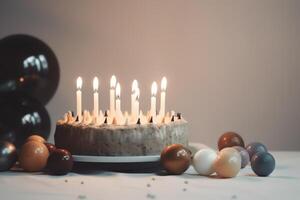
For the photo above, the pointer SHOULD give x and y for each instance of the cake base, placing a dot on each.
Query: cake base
(113, 140)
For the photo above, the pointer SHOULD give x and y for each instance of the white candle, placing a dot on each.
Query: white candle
(163, 97)
(79, 98)
(118, 100)
(137, 103)
(153, 99)
(96, 98)
(113, 82)
(133, 95)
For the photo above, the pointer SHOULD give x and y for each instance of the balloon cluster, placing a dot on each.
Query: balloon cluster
(29, 76)
(232, 156)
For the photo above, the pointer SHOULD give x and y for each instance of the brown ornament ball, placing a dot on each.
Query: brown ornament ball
(60, 162)
(33, 156)
(175, 159)
(36, 138)
(230, 139)
(51, 147)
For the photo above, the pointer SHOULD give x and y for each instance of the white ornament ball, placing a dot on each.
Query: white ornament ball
(203, 161)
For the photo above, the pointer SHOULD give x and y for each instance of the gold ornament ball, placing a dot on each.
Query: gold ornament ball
(36, 138)
(228, 163)
(175, 159)
(33, 156)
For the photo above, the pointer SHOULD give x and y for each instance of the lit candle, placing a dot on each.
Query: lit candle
(153, 99)
(113, 82)
(163, 97)
(137, 103)
(96, 98)
(79, 98)
(133, 95)
(118, 100)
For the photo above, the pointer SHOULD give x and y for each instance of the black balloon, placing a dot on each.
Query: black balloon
(8, 155)
(28, 65)
(20, 117)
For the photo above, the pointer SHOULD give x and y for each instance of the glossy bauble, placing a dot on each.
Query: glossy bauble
(203, 161)
(33, 156)
(262, 163)
(60, 162)
(51, 147)
(244, 155)
(8, 155)
(28, 65)
(36, 138)
(175, 159)
(21, 117)
(256, 147)
(228, 163)
(230, 139)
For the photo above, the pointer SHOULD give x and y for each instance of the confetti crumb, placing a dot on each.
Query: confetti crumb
(150, 196)
(82, 182)
(184, 189)
(66, 181)
(148, 185)
(81, 196)
(153, 179)
(186, 182)
(234, 197)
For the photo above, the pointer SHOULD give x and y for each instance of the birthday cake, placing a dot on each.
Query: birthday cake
(143, 138)
(115, 133)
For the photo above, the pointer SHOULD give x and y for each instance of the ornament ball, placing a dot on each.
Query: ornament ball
(8, 155)
(230, 139)
(244, 156)
(36, 138)
(175, 159)
(51, 147)
(203, 161)
(263, 163)
(33, 156)
(255, 147)
(60, 162)
(228, 163)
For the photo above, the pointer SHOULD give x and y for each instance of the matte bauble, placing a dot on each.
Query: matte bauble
(262, 163)
(21, 117)
(51, 147)
(36, 138)
(28, 65)
(60, 162)
(228, 163)
(33, 156)
(230, 139)
(255, 147)
(175, 159)
(8, 155)
(203, 161)
(244, 155)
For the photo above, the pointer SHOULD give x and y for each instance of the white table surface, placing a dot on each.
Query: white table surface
(284, 183)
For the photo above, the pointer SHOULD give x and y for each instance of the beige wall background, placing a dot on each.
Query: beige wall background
(231, 65)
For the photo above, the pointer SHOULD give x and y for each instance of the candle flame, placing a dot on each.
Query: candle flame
(118, 90)
(113, 81)
(79, 83)
(95, 83)
(164, 83)
(154, 89)
(134, 86)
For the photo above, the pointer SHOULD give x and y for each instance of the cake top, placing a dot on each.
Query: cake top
(121, 120)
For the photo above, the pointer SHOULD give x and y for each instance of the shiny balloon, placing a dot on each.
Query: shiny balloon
(21, 117)
(8, 155)
(28, 65)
